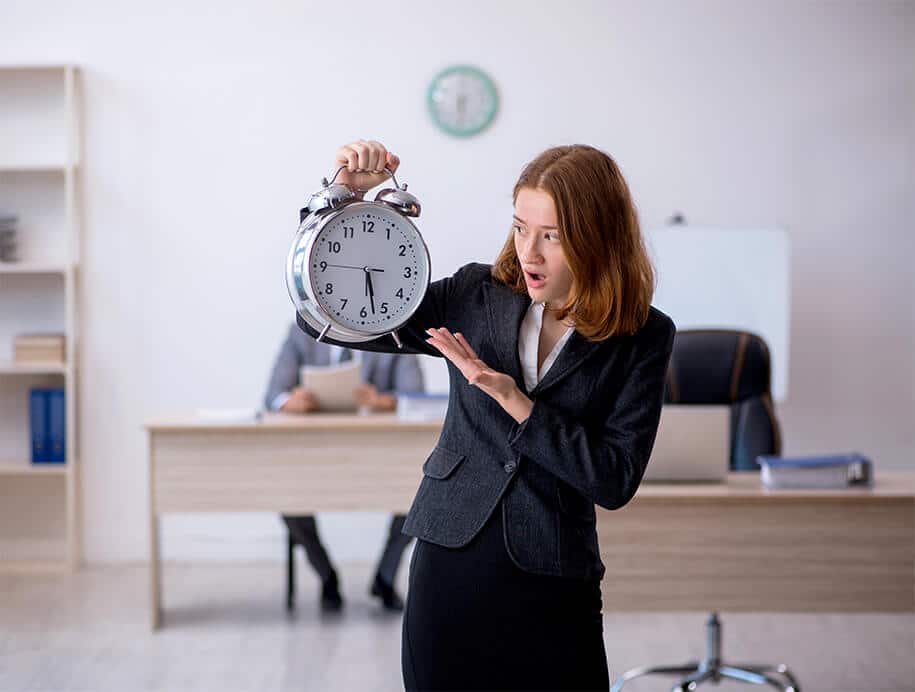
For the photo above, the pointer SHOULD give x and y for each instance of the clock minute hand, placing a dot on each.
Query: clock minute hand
(368, 279)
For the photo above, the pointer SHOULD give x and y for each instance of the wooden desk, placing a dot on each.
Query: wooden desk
(287, 464)
(729, 547)
(740, 547)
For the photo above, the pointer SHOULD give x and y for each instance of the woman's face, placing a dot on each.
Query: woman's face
(537, 244)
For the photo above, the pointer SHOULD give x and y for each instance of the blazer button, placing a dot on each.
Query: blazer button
(510, 467)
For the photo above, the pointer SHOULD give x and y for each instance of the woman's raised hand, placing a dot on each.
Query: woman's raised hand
(365, 162)
(498, 385)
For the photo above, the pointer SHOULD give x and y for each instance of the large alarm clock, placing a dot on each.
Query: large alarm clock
(357, 269)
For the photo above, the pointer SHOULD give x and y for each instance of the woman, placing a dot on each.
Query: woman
(556, 362)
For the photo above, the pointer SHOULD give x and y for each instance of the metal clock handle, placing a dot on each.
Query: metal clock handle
(325, 183)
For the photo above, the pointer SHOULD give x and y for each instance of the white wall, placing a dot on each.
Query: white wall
(208, 123)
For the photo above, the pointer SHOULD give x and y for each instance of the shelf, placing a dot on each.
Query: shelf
(34, 268)
(25, 468)
(7, 368)
(22, 167)
(31, 566)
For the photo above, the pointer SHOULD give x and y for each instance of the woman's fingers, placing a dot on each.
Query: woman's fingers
(456, 345)
(461, 354)
(379, 156)
(347, 156)
(362, 155)
(448, 348)
(467, 347)
(364, 163)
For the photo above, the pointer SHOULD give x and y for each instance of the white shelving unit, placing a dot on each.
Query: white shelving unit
(40, 135)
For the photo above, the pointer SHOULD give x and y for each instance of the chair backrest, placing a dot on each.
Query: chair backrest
(717, 366)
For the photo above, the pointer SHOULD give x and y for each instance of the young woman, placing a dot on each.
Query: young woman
(556, 361)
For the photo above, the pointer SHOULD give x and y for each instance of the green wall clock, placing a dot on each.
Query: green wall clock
(462, 100)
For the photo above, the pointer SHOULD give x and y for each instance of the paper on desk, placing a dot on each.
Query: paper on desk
(333, 384)
(227, 415)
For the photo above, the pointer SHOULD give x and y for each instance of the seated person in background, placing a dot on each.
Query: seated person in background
(382, 375)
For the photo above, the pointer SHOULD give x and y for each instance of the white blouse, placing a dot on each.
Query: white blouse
(529, 342)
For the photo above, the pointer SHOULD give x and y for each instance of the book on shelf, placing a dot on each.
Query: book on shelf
(823, 471)
(48, 425)
(39, 348)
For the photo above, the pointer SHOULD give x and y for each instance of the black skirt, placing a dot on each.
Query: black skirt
(475, 621)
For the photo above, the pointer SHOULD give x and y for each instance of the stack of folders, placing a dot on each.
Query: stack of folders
(422, 406)
(824, 472)
(8, 238)
(39, 348)
(47, 425)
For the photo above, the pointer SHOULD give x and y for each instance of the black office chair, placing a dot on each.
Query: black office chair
(714, 366)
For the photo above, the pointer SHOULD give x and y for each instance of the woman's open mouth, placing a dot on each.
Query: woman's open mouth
(534, 280)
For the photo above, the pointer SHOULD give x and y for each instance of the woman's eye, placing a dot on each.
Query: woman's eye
(552, 236)
(518, 229)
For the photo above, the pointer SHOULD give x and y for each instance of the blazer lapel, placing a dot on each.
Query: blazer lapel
(576, 350)
(506, 310)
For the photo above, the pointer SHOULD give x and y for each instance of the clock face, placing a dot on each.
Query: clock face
(369, 268)
(462, 100)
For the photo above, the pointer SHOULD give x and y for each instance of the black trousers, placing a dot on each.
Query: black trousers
(475, 621)
(304, 531)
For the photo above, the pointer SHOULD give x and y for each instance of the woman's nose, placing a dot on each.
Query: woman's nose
(530, 249)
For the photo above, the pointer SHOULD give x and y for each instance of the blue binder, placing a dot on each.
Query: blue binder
(38, 425)
(47, 425)
(57, 426)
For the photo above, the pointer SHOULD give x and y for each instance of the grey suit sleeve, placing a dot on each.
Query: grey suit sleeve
(604, 463)
(408, 376)
(285, 373)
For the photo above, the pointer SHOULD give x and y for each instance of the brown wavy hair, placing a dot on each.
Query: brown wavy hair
(613, 280)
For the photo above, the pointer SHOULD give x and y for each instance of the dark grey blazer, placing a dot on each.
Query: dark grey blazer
(389, 373)
(587, 440)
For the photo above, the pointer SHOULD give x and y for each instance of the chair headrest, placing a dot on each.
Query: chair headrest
(717, 366)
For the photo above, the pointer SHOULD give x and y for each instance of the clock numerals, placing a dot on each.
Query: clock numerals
(346, 275)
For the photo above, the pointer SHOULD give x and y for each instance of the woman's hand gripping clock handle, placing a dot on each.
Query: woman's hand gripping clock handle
(365, 162)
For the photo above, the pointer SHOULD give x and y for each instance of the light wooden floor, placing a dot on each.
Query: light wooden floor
(225, 629)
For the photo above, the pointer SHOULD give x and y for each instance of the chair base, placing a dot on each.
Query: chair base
(712, 668)
(290, 573)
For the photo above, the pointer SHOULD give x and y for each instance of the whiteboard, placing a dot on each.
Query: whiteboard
(712, 278)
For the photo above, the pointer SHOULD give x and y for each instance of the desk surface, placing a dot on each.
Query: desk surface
(273, 422)
(740, 485)
(747, 485)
